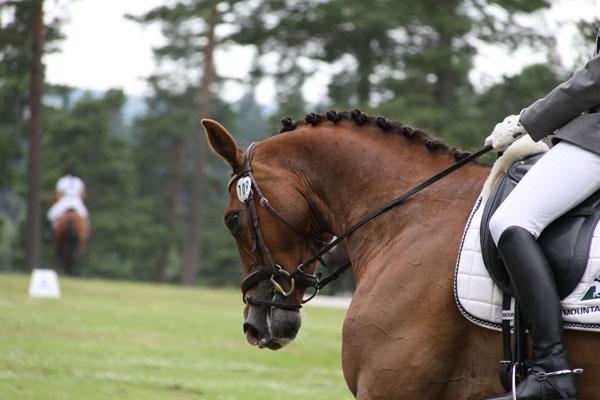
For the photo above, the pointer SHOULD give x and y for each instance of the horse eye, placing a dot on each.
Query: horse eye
(232, 221)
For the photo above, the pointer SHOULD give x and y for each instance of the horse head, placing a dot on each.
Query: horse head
(272, 222)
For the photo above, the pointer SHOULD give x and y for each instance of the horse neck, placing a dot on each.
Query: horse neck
(350, 171)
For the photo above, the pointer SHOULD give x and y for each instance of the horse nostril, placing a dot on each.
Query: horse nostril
(251, 334)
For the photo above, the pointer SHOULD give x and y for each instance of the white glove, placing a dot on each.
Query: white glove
(505, 133)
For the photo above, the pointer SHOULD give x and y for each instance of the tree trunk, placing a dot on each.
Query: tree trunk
(365, 69)
(172, 215)
(193, 244)
(34, 160)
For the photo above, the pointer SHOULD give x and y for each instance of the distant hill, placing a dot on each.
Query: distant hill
(134, 105)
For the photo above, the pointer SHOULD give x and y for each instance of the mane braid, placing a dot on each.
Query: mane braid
(362, 119)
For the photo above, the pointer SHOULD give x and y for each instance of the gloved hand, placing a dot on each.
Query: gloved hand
(505, 133)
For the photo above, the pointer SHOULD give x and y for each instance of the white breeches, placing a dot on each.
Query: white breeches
(65, 203)
(561, 179)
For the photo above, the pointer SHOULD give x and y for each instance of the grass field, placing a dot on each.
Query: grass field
(122, 340)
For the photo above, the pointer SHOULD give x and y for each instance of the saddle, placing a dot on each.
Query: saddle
(565, 242)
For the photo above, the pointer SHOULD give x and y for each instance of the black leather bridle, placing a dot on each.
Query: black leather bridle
(268, 269)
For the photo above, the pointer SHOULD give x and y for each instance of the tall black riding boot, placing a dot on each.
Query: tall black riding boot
(549, 376)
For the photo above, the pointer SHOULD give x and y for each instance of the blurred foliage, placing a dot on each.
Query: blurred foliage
(411, 57)
(588, 31)
(408, 60)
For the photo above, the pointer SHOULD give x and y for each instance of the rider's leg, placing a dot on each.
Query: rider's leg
(538, 297)
(82, 210)
(560, 180)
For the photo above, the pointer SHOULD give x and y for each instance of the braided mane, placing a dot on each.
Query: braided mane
(383, 123)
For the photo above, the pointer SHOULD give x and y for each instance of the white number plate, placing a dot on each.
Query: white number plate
(243, 187)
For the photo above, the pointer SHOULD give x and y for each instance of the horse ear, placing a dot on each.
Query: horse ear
(223, 143)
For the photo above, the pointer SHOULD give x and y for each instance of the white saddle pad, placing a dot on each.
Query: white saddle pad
(479, 299)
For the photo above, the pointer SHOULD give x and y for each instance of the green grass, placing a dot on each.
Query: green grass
(122, 340)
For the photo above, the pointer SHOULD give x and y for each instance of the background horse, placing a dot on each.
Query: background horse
(70, 236)
(403, 336)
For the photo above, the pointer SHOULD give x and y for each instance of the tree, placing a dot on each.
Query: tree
(519, 91)
(587, 32)
(15, 52)
(169, 121)
(34, 158)
(298, 37)
(159, 140)
(23, 40)
(190, 30)
(406, 59)
(193, 243)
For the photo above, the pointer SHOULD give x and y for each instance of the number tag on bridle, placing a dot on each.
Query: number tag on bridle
(243, 188)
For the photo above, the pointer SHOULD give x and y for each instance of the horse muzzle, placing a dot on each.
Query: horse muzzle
(271, 327)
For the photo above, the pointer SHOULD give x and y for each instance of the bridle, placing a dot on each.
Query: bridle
(270, 270)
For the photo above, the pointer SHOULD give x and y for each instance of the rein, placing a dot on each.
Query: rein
(300, 277)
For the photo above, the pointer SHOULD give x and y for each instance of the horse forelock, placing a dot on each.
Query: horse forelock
(361, 119)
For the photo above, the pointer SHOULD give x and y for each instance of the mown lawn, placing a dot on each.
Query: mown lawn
(122, 340)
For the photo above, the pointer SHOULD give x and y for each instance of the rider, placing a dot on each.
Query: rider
(70, 191)
(564, 176)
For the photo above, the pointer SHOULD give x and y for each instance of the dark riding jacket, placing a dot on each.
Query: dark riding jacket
(572, 109)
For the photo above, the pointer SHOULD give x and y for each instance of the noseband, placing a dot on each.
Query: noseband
(268, 268)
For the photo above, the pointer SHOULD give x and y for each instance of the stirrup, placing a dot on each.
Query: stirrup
(515, 367)
(541, 377)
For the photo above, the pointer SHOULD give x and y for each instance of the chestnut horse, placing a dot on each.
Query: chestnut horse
(403, 336)
(70, 236)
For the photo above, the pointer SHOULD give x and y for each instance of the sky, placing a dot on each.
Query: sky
(104, 50)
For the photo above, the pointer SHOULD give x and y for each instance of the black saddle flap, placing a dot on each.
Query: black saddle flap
(565, 242)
